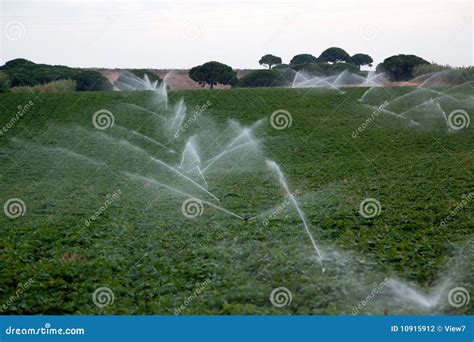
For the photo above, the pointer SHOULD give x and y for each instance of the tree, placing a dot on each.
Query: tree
(360, 59)
(304, 58)
(269, 60)
(213, 73)
(26, 73)
(400, 67)
(334, 55)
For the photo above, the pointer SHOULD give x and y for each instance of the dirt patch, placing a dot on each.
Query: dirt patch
(178, 79)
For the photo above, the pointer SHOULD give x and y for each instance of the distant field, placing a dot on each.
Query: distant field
(154, 258)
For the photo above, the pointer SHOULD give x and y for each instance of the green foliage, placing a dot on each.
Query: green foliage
(213, 73)
(142, 72)
(326, 69)
(154, 257)
(26, 73)
(400, 67)
(423, 69)
(361, 59)
(269, 60)
(286, 71)
(59, 86)
(334, 55)
(5, 82)
(461, 75)
(263, 78)
(449, 75)
(304, 58)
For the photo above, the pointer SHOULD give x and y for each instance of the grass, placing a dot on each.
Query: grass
(153, 258)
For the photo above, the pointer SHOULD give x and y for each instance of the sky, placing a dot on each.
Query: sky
(183, 34)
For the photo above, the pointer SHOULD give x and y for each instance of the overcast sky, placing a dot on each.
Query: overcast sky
(182, 34)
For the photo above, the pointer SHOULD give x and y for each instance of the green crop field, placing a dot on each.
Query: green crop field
(100, 212)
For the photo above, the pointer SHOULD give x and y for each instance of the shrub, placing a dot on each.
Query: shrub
(59, 86)
(5, 82)
(263, 78)
(26, 73)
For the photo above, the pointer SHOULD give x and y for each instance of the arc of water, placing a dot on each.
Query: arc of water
(146, 110)
(158, 161)
(405, 291)
(75, 155)
(180, 114)
(272, 165)
(142, 136)
(365, 94)
(146, 179)
(430, 101)
(443, 113)
(424, 89)
(66, 151)
(202, 176)
(223, 153)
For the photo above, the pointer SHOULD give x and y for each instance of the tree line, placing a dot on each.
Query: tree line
(331, 61)
(334, 60)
